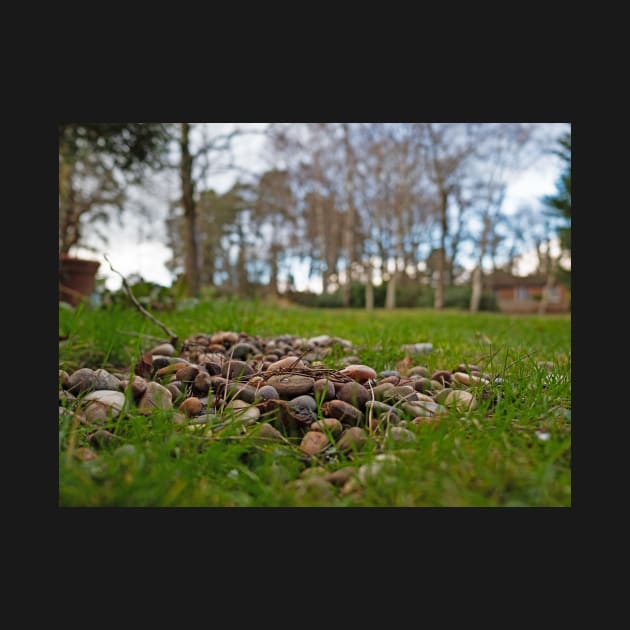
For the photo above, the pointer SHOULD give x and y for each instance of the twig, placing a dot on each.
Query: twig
(173, 337)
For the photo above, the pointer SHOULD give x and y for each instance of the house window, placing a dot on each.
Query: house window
(554, 294)
(521, 293)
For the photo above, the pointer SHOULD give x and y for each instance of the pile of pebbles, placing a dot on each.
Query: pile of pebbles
(277, 388)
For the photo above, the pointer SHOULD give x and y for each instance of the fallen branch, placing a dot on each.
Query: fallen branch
(173, 337)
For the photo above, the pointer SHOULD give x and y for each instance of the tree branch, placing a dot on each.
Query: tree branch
(173, 337)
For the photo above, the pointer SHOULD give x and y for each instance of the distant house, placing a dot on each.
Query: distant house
(522, 294)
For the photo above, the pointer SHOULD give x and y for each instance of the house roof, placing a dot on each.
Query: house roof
(500, 279)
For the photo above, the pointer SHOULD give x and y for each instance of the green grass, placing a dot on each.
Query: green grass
(477, 461)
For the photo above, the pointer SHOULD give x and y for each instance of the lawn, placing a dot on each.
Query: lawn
(516, 454)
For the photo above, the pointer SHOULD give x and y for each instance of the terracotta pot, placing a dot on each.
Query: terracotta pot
(76, 278)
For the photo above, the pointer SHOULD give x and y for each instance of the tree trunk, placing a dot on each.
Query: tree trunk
(439, 290)
(191, 260)
(369, 291)
(551, 278)
(348, 228)
(273, 274)
(390, 295)
(477, 285)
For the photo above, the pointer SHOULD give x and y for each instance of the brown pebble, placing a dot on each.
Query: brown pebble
(343, 411)
(442, 376)
(359, 372)
(339, 477)
(314, 442)
(355, 394)
(187, 373)
(328, 424)
(287, 363)
(156, 396)
(353, 438)
(324, 389)
(191, 406)
(167, 370)
(64, 379)
(202, 383)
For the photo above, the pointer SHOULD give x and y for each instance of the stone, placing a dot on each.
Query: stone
(267, 392)
(138, 386)
(105, 381)
(359, 372)
(442, 376)
(242, 392)
(65, 395)
(156, 396)
(224, 338)
(313, 471)
(167, 349)
(331, 425)
(399, 434)
(353, 438)
(400, 392)
(291, 385)
(108, 399)
(202, 383)
(312, 489)
(175, 387)
(236, 369)
(64, 379)
(187, 374)
(386, 373)
(243, 411)
(380, 389)
(314, 442)
(375, 468)
(419, 370)
(242, 351)
(169, 369)
(287, 363)
(461, 400)
(191, 406)
(355, 394)
(82, 380)
(343, 411)
(441, 396)
(269, 433)
(324, 389)
(341, 476)
(97, 413)
(422, 385)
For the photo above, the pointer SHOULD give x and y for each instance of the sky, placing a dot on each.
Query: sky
(137, 246)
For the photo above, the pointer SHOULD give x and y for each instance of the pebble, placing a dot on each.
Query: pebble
(343, 411)
(314, 442)
(400, 434)
(166, 349)
(359, 372)
(156, 396)
(267, 392)
(331, 425)
(243, 411)
(243, 351)
(461, 400)
(64, 379)
(107, 398)
(191, 406)
(353, 438)
(202, 383)
(419, 370)
(355, 394)
(341, 476)
(84, 454)
(291, 385)
(187, 374)
(442, 376)
(288, 363)
(269, 433)
(105, 380)
(82, 380)
(236, 369)
(324, 389)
